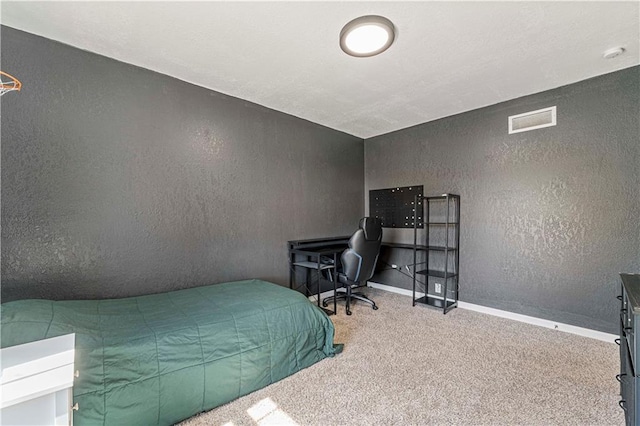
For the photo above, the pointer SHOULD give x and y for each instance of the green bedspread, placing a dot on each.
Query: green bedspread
(161, 358)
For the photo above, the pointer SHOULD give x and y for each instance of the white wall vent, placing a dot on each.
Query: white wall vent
(532, 120)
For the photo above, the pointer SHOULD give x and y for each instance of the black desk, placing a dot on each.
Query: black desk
(319, 254)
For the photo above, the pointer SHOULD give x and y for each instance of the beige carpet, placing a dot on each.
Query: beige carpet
(405, 365)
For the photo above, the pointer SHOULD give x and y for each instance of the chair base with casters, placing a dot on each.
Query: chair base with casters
(347, 294)
(359, 262)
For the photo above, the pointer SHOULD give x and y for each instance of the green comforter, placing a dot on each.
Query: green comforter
(161, 358)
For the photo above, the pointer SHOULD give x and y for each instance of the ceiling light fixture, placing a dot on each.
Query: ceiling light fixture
(613, 52)
(367, 36)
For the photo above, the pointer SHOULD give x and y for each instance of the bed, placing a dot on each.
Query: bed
(161, 358)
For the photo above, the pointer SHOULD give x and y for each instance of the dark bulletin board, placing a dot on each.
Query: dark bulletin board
(394, 206)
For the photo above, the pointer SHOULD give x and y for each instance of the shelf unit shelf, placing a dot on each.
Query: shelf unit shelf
(435, 302)
(434, 273)
(438, 239)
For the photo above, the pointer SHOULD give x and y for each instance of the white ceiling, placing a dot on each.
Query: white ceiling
(448, 57)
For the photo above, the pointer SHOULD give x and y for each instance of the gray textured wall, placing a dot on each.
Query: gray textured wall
(119, 181)
(549, 217)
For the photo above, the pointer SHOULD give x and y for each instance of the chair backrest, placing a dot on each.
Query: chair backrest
(359, 260)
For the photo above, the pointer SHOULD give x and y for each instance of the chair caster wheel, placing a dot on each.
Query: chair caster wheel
(324, 303)
(348, 312)
(375, 308)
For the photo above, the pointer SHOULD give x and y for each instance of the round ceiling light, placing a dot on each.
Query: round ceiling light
(367, 36)
(613, 52)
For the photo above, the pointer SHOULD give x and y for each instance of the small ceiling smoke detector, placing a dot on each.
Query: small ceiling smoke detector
(613, 52)
(367, 36)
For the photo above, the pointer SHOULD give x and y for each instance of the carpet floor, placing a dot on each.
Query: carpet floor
(407, 365)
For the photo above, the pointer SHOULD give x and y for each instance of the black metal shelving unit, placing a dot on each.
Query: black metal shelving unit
(441, 250)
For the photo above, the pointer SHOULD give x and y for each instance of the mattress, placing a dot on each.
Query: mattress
(161, 358)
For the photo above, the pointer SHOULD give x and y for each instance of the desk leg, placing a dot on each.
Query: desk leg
(319, 277)
(335, 281)
(290, 269)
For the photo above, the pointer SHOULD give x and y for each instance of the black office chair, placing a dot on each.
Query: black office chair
(359, 262)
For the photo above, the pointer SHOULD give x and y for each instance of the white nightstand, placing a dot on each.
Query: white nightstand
(36, 382)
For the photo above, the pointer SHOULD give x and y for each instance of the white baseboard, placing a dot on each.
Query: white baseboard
(392, 289)
(322, 295)
(586, 332)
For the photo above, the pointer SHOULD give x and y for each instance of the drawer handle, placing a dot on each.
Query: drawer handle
(619, 377)
(619, 297)
(623, 404)
(617, 342)
(624, 311)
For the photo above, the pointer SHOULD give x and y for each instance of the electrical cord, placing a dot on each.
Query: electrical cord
(399, 269)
